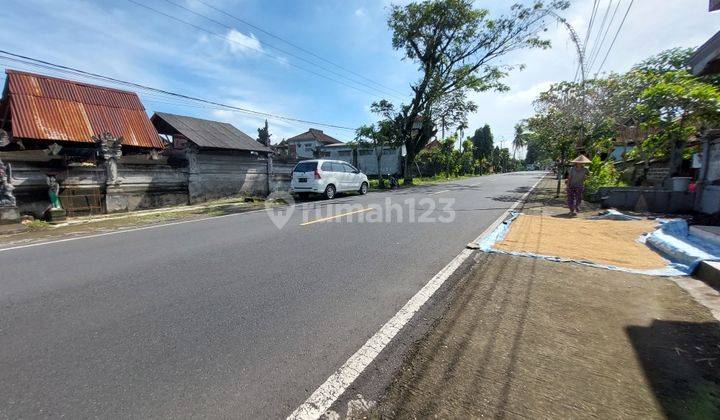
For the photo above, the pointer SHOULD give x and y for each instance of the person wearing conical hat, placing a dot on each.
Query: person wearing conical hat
(575, 183)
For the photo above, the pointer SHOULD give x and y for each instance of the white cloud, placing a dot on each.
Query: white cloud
(360, 12)
(283, 60)
(239, 43)
(526, 95)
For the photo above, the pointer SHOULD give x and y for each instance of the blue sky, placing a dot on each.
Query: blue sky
(123, 40)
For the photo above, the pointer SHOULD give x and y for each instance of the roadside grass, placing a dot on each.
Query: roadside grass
(40, 229)
(425, 180)
(36, 225)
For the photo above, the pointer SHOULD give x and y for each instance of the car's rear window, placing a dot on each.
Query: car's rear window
(305, 167)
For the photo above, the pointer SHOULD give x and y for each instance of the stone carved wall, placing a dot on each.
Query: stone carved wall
(7, 198)
(200, 175)
(109, 150)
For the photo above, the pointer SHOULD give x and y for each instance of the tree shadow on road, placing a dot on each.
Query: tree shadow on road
(681, 361)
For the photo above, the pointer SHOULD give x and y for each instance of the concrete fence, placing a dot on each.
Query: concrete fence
(658, 200)
(143, 183)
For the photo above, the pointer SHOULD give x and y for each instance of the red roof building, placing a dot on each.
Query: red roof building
(50, 109)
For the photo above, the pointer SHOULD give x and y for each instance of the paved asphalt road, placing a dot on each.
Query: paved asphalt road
(226, 317)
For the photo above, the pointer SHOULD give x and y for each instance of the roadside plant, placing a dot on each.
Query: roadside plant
(656, 107)
(384, 133)
(677, 105)
(602, 174)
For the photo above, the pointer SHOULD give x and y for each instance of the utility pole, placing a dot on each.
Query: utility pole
(580, 142)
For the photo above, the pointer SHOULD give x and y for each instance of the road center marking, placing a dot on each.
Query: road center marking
(324, 219)
(439, 192)
(326, 395)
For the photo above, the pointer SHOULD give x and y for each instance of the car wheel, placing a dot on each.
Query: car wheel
(363, 188)
(330, 192)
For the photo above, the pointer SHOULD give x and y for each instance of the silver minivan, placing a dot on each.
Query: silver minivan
(327, 177)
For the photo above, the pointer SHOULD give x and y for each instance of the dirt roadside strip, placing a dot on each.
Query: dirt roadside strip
(89, 225)
(530, 338)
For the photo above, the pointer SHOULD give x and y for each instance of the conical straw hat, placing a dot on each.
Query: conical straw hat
(581, 159)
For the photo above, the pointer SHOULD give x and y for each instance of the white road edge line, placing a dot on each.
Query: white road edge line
(438, 192)
(326, 395)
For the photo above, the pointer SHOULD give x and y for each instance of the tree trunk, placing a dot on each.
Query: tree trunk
(561, 172)
(381, 182)
(409, 159)
(559, 180)
(676, 158)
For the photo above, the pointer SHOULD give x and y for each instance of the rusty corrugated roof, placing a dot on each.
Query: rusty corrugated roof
(48, 108)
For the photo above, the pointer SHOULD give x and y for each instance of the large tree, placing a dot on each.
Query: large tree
(458, 48)
(482, 142)
(534, 151)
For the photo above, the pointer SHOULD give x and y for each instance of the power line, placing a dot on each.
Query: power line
(245, 22)
(73, 76)
(622, 22)
(244, 45)
(587, 37)
(279, 49)
(602, 42)
(596, 53)
(602, 25)
(160, 99)
(147, 96)
(22, 58)
(590, 24)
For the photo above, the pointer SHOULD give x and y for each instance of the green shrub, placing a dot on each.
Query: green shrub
(602, 174)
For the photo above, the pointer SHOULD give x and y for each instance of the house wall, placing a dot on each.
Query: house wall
(281, 177)
(304, 149)
(710, 198)
(657, 200)
(145, 183)
(144, 186)
(152, 186)
(618, 151)
(223, 174)
(713, 173)
(389, 164)
(367, 160)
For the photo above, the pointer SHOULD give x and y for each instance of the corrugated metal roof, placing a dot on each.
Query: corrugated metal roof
(207, 133)
(48, 108)
(314, 134)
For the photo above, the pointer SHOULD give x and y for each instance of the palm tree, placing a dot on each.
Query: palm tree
(519, 140)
